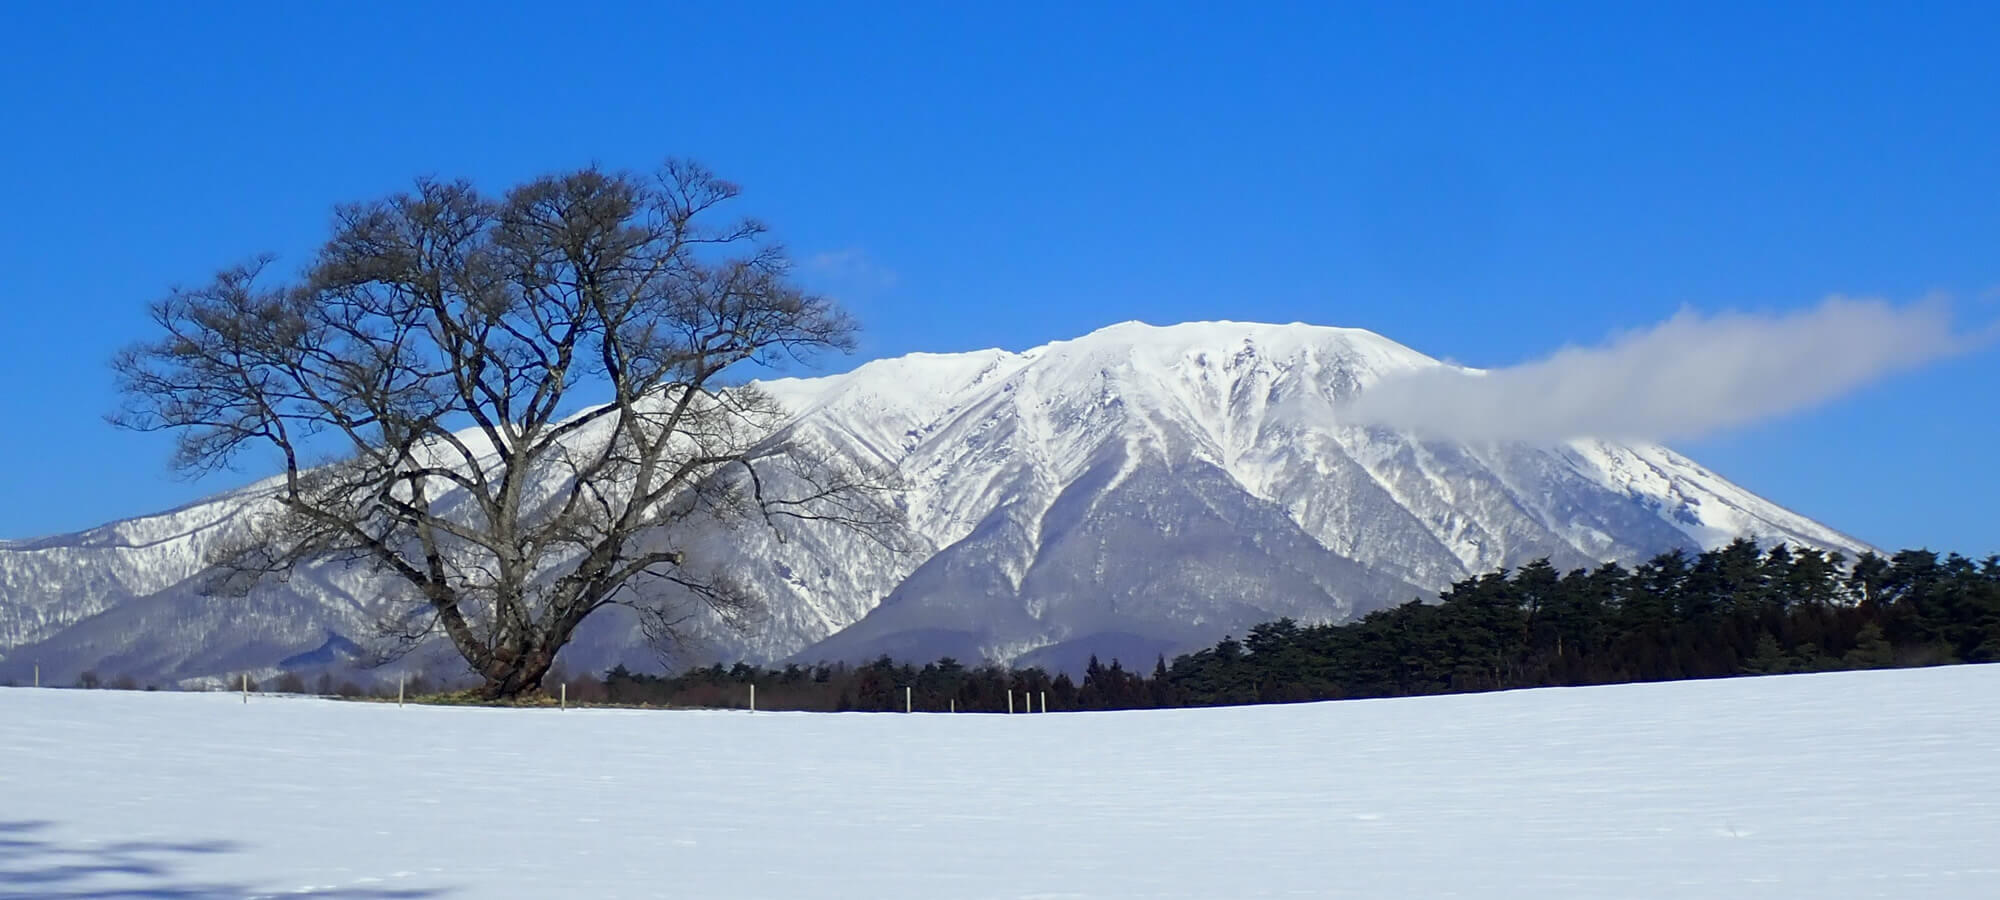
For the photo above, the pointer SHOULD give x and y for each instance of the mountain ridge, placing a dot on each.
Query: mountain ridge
(1056, 496)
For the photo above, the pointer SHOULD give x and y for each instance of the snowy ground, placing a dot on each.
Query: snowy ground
(1879, 784)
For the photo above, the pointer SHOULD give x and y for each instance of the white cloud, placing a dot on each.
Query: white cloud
(1688, 376)
(849, 268)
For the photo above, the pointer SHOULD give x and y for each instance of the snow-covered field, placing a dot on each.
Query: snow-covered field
(1881, 784)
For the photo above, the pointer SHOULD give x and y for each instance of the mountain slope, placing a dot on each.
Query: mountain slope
(1138, 490)
(1153, 488)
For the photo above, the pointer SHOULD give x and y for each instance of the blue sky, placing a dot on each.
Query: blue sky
(1480, 185)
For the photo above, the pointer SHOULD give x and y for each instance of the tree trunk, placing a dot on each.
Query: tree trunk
(516, 675)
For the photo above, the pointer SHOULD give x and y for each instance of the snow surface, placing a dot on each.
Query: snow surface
(1873, 784)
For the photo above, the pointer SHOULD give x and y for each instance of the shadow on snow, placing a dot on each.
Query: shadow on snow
(35, 865)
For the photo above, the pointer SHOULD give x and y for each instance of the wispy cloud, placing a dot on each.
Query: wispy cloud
(1688, 376)
(850, 268)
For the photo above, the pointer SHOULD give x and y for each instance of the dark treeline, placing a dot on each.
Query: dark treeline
(1738, 610)
(1732, 611)
(879, 686)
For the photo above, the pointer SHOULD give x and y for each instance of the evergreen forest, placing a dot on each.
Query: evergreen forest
(1736, 610)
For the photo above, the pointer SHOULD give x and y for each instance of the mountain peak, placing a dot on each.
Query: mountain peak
(1151, 350)
(1221, 333)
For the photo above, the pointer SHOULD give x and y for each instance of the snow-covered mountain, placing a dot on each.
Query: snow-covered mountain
(1134, 491)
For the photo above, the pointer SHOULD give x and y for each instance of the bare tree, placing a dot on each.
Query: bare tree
(421, 381)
